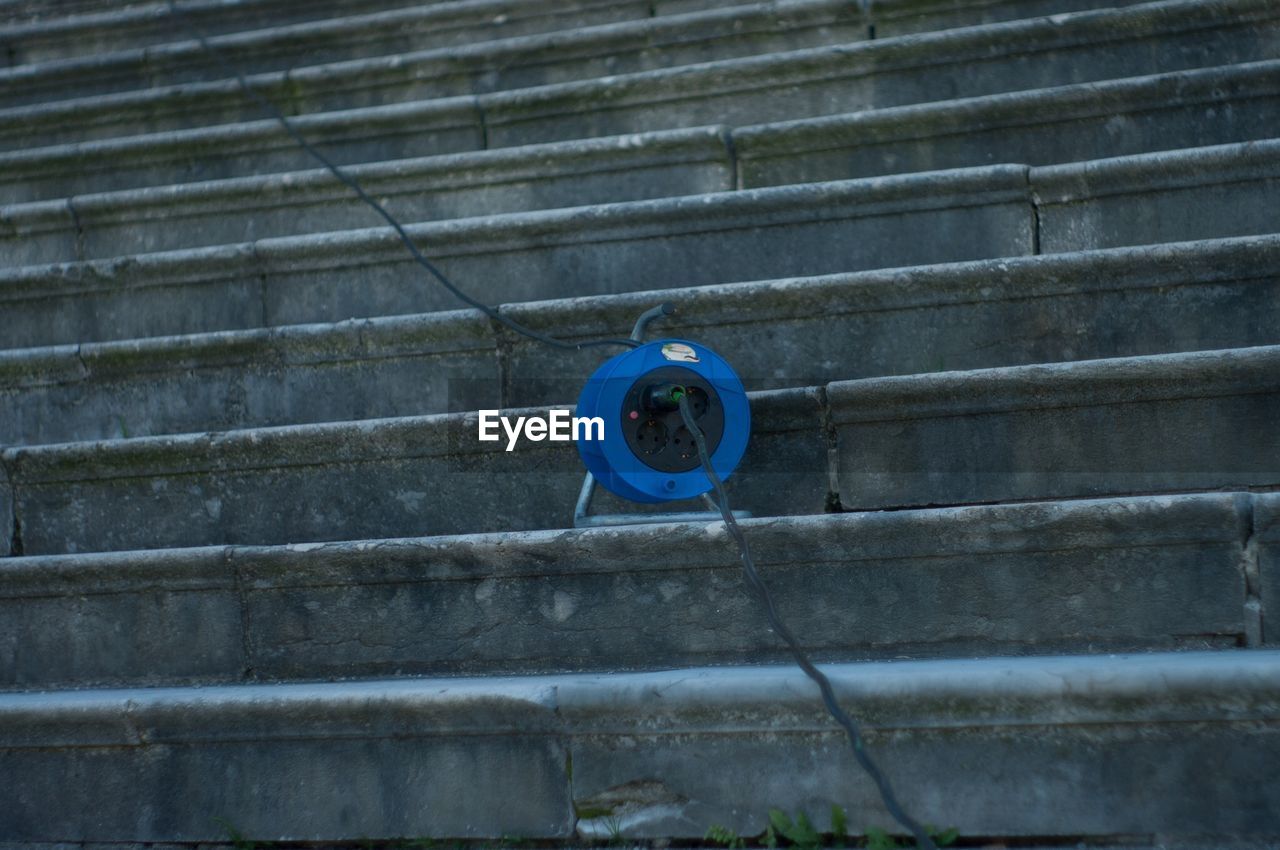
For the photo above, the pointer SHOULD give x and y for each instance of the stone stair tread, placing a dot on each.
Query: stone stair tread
(1063, 430)
(1086, 576)
(509, 744)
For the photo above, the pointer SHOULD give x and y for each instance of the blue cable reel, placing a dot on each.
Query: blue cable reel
(647, 454)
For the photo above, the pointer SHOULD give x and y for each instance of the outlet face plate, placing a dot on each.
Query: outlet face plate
(659, 438)
(627, 467)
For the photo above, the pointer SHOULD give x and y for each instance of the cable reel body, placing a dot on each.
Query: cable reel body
(647, 455)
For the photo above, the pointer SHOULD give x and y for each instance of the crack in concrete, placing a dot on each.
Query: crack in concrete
(831, 502)
(1251, 570)
(247, 650)
(78, 224)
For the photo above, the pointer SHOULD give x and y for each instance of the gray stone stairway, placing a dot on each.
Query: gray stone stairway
(1002, 279)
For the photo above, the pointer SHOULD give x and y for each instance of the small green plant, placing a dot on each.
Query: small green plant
(614, 825)
(878, 839)
(238, 841)
(799, 832)
(724, 836)
(839, 825)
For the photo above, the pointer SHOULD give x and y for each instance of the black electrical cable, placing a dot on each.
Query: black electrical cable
(752, 577)
(756, 583)
(178, 14)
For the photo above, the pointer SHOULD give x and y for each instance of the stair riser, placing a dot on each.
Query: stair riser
(404, 31)
(1141, 301)
(689, 241)
(632, 47)
(1113, 427)
(1192, 109)
(1116, 205)
(1088, 576)
(918, 16)
(450, 758)
(1030, 432)
(568, 174)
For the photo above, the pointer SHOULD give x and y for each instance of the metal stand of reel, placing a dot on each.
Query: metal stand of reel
(581, 512)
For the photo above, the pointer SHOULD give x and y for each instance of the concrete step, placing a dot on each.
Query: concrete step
(1062, 307)
(1157, 197)
(377, 33)
(50, 30)
(1182, 109)
(1146, 114)
(1080, 429)
(1042, 52)
(490, 757)
(351, 480)
(757, 234)
(699, 239)
(45, 32)
(456, 70)
(1084, 576)
(478, 183)
(415, 28)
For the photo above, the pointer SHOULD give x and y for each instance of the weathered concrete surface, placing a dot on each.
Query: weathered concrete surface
(565, 174)
(372, 479)
(1146, 572)
(897, 17)
(1124, 425)
(633, 103)
(1266, 551)
(1206, 106)
(41, 30)
(1165, 197)
(967, 62)
(520, 62)
(698, 239)
(54, 67)
(1054, 741)
(142, 617)
(1052, 308)
(302, 762)
(132, 297)
(352, 370)
(483, 758)
(1005, 312)
(255, 146)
